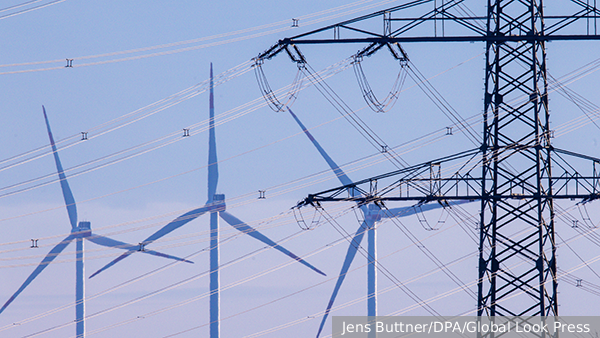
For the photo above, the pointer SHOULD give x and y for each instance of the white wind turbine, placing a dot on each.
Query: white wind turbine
(372, 215)
(215, 205)
(79, 233)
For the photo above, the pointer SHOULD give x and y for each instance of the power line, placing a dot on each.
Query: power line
(27, 10)
(276, 27)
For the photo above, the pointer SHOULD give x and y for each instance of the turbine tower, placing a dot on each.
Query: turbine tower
(215, 205)
(79, 233)
(515, 172)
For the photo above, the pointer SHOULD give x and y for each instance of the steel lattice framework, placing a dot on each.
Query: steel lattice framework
(516, 174)
(521, 131)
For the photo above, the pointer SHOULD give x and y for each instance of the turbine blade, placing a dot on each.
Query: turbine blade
(336, 169)
(113, 262)
(173, 225)
(250, 231)
(350, 254)
(67, 194)
(213, 166)
(407, 211)
(43, 264)
(112, 243)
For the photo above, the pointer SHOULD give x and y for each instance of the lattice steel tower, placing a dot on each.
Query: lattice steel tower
(515, 68)
(516, 174)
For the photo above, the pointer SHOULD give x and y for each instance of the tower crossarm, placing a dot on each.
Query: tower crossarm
(585, 12)
(450, 24)
(576, 176)
(423, 182)
(456, 178)
(398, 21)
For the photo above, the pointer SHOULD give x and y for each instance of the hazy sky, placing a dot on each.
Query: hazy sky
(136, 172)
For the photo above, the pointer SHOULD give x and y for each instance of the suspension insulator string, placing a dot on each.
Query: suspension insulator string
(388, 102)
(274, 103)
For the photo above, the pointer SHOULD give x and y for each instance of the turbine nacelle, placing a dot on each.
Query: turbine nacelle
(218, 203)
(373, 214)
(83, 229)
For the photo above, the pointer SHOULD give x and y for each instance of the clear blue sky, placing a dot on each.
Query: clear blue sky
(259, 150)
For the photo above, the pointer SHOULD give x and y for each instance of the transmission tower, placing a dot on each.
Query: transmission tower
(516, 173)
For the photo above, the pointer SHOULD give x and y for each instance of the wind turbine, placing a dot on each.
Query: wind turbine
(79, 233)
(372, 215)
(215, 205)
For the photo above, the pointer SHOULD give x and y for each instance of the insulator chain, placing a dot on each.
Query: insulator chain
(274, 103)
(296, 56)
(585, 215)
(267, 92)
(314, 222)
(363, 83)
